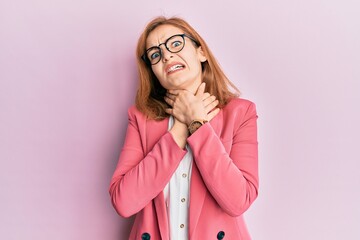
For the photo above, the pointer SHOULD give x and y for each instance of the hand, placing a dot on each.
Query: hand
(210, 103)
(186, 106)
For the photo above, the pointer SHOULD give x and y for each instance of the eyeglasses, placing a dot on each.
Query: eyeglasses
(173, 44)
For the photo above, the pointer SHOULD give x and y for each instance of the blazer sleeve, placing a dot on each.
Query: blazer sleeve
(139, 177)
(231, 178)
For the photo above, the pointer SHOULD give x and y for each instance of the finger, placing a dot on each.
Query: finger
(171, 96)
(206, 95)
(169, 111)
(211, 106)
(174, 91)
(212, 114)
(209, 100)
(200, 91)
(169, 101)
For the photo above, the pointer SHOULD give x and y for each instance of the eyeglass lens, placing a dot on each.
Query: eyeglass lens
(174, 44)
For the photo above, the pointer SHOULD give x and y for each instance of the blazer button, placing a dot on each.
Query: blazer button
(220, 235)
(145, 236)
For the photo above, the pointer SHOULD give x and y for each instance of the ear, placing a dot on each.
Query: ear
(201, 54)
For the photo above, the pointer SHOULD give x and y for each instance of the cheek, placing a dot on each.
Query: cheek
(157, 71)
(193, 60)
(195, 65)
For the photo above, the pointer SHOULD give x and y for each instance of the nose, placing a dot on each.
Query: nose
(166, 54)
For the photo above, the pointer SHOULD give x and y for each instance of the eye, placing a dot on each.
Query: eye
(154, 55)
(176, 44)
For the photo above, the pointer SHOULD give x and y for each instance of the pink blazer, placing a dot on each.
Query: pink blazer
(224, 180)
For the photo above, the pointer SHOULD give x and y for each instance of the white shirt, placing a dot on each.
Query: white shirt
(177, 196)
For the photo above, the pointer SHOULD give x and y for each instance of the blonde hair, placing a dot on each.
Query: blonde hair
(150, 95)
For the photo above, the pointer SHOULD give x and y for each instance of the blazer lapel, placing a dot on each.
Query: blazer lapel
(154, 131)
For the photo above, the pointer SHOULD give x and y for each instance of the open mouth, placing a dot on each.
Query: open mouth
(175, 68)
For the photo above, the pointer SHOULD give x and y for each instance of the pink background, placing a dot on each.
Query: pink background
(67, 77)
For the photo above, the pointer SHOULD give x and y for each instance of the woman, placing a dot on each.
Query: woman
(189, 165)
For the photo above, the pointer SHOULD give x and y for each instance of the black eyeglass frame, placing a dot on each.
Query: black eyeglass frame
(147, 60)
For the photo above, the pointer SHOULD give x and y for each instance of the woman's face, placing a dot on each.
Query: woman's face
(181, 70)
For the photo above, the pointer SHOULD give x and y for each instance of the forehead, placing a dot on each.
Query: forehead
(160, 34)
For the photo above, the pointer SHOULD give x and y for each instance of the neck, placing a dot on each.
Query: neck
(194, 87)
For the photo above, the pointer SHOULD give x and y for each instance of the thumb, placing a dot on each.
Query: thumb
(200, 91)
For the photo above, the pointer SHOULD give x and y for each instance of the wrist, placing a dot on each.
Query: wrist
(195, 125)
(179, 133)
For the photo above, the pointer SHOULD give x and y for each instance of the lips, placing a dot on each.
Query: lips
(174, 67)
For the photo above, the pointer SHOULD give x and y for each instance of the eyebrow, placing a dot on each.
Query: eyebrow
(159, 43)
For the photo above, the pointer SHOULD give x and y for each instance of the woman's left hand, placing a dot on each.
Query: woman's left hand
(187, 106)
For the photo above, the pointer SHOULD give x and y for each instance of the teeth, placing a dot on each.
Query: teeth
(173, 68)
